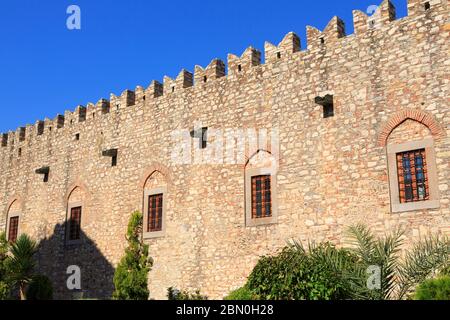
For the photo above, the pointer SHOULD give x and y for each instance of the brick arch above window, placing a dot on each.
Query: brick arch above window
(260, 157)
(76, 202)
(77, 185)
(154, 185)
(420, 116)
(151, 170)
(156, 179)
(13, 217)
(14, 204)
(261, 205)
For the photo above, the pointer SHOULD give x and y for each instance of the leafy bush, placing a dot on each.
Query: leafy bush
(4, 290)
(434, 289)
(130, 277)
(243, 293)
(4, 285)
(175, 294)
(324, 272)
(296, 274)
(40, 288)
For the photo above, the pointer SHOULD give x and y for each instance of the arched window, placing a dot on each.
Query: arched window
(154, 205)
(75, 208)
(261, 190)
(13, 221)
(413, 181)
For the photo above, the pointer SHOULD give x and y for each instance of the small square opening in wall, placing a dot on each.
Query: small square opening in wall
(427, 6)
(322, 40)
(113, 154)
(205, 78)
(278, 55)
(44, 171)
(239, 68)
(77, 137)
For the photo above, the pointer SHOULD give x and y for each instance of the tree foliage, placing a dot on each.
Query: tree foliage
(130, 278)
(4, 284)
(175, 294)
(434, 289)
(20, 263)
(40, 288)
(399, 276)
(317, 273)
(323, 272)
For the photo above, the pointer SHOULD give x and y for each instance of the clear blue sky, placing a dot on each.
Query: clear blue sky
(46, 69)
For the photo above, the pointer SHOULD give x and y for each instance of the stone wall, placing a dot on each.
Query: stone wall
(390, 82)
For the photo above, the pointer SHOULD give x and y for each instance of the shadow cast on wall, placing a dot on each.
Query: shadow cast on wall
(55, 255)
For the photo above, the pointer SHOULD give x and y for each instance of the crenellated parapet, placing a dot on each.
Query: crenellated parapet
(236, 66)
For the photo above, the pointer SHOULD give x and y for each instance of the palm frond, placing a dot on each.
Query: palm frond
(387, 254)
(363, 242)
(21, 260)
(423, 261)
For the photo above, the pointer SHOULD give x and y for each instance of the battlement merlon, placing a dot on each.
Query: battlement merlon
(184, 80)
(250, 58)
(155, 90)
(316, 39)
(215, 70)
(285, 49)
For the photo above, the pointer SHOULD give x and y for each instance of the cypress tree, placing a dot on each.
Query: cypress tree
(130, 277)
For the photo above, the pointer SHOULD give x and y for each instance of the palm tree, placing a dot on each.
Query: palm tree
(21, 262)
(397, 276)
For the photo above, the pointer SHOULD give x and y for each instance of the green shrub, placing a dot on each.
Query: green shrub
(243, 293)
(175, 294)
(4, 283)
(445, 271)
(435, 289)
(296, 274)
(40, 288)
(4, 291)
(130, 277)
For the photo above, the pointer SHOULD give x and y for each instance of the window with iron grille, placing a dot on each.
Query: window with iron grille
(413, 176)
(261, 197)
(155, 211)
(75, 224)
(13, 229)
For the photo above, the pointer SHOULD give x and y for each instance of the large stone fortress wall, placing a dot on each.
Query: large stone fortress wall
(390, 83)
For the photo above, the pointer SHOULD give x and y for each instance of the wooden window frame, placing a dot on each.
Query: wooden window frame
(433, 189)
(265, 213)
(68, 224)
(408, 171)
(147, 194)
(255, 222)
(8, 223)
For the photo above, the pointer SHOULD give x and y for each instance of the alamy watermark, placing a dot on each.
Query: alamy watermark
(73, 22)
(228, 146)
(74, 280)
(374, 278)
